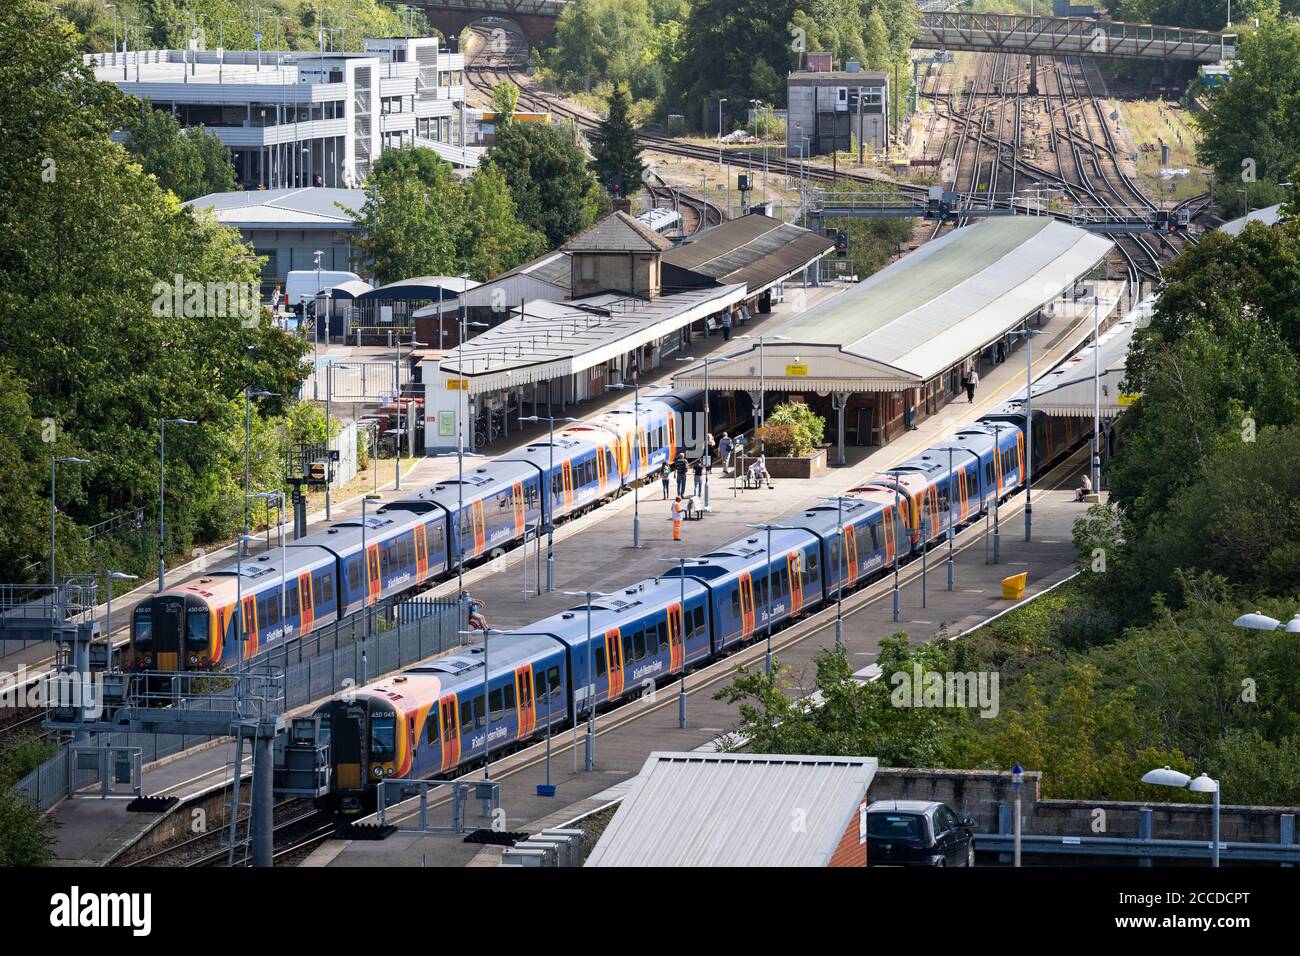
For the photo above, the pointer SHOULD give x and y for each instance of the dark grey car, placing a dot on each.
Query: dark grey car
(918, 833)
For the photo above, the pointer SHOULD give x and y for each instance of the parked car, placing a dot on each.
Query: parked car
(918, 833)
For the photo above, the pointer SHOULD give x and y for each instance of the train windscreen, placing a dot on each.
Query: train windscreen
(383, 736)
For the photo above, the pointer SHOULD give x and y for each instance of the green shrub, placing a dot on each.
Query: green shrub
(794, 430)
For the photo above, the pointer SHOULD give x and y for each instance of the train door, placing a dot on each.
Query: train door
(566, 470)
(449, 725)
(890, 542)
(347, 746)
(480, 527)
(961, 487)
(614, 661)
(672, 437)
(794, 565)
(746, 606)
(997, 468)
(517, 496)
(676, 638)
(373, 581)
(932, 497)
(250, 626)
(527, 705)
(602, 467)
(1020, 455)
(306, 608)
(421, 552)
(643, 453)
(850, 546)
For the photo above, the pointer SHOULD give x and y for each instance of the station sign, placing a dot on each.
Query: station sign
(458, 384)
(1128, 398)
(799, 369)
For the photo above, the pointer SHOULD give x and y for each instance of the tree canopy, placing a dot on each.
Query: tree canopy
(553, 190)
(616, 154)
(191, 162)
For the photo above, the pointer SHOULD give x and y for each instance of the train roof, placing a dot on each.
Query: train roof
(480, 481)
(743, 555)
(345, 536)
(615, 609)
(824, 519)
(266, 565)
(538, 453)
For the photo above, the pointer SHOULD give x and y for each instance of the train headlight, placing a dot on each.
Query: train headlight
(193, 659)
(379, 771)
(390, 771)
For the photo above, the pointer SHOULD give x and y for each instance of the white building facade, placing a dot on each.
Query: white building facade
(301, 119)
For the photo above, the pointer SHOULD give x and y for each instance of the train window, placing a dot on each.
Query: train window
(466, 716)
(811, 563)
(510, 696)
(325, 593)
(270, 614)
(600, 662)
(698, 614)
(629, 646)
(735, 602)
(638, 646)
(354, 571)
(383, 736)
(196, 626)
(663, 636)
(480, 715)
(291, 600)
(497, 700)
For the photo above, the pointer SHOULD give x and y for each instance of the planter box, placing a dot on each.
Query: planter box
(811, 467)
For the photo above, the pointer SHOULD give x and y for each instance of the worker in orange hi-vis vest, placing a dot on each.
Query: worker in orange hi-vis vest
(675, 512)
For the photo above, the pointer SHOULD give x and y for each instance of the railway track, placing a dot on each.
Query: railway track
(696, 213)
(299, 827)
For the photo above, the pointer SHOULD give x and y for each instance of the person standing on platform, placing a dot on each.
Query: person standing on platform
(698, 470)
(972, 380)
(724, 452)
(675, 515)
(710, 449)
(726, 326)
(679, 468)
(663, 478)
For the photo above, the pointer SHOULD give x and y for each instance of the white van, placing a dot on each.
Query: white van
(302, 284)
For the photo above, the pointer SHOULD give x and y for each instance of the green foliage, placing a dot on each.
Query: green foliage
(553, 190)
(24, 833)
(420, 219)
(190, 162)
(92, 247)
(1254, 118)
(505, 100)
(793, 430)
(595, 40)
(616, 154)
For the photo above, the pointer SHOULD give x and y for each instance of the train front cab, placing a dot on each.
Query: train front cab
(362, 737)
(173, 632)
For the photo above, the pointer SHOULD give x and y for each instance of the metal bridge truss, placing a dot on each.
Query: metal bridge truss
(505, 8)
(1069, 36)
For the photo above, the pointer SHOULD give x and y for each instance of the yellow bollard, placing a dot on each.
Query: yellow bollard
(1013, 588)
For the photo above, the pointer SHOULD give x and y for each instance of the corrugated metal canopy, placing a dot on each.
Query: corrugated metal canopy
(925, 313)
(710, 809)
(421, 287)
(756, 250)
(546, 340)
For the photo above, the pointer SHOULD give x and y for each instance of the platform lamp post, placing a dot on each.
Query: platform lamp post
(365, 578)
(997, 491)
(952, 568)
(636, 458)
(707, 421)
(549, 493)
(162, 494)
(329, 423)
(769, 528)
(842, 572)
(397, 378)
(589, 696)
(1017, 782)
(240, 541)
(1262, 622)
(721, 100)
(465, 325)
(108, 618)
(278, 497)
(1028, 335)
(681, 683)
(250, 393)
(1096, 394)
(1167, 777)
(762, 382)
(486, 632)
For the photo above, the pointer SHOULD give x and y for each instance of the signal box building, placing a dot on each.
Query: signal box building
(829, 110)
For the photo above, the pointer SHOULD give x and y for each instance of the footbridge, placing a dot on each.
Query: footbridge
(1069, 36)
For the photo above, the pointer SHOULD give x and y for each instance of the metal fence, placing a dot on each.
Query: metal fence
(351, 653)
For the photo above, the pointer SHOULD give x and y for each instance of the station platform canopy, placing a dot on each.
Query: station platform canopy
(1269, 216)
(921, 315)
(1070, 390)
(545, 340)
(437, 288)
(754, 249)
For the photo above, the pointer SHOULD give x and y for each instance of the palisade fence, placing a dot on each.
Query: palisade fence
(346, 654)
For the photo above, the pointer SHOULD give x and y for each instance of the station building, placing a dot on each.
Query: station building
(896, 346)
(616, 300)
